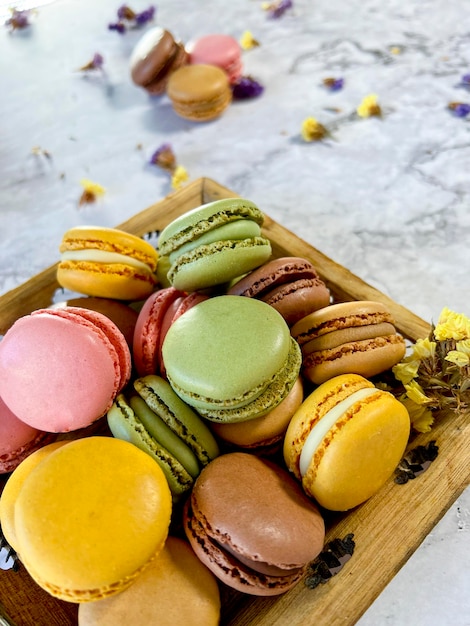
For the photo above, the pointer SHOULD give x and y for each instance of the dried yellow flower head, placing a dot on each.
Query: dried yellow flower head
(91, 191)
(312, 130)
(247, 41)
(369, 107)
(179, 176)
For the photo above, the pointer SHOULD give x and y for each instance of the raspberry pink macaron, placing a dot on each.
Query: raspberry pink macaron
(60, 369)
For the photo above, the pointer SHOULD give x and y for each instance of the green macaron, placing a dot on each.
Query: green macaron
(156, 420)
(212, 244)
(231, 358)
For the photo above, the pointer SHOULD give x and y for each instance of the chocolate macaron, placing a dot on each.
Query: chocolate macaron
(289, 284)
(156, 55)
(250, 523)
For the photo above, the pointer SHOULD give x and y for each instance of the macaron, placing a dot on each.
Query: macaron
(60, 369)
(176, 588)
(349, 337)
(345, 441)
(17, 439)
(107, 262)
(214, 243)
(262, 434)
(155, 318)
(90, 517)
(220, 50)
(158, 422)
(250, 523)
(231, 358)
(156, 55)
(199, 93)
(289, 284)
(123, 315)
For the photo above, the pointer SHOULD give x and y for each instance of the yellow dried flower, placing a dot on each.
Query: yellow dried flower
(452, 325)
(415, 392)
(464, 346)
(247, 41)
(312, 130)
(406, 371)
(424, 349)
(458, 358)
(421, 417)
(369, 107)
(91, 191)
(179, 176)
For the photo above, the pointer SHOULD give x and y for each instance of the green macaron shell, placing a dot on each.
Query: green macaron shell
(225, 352)
(204, 218)
(163, 402)
(124, 424)
(273, 395)
(232, 231)
(217, 263)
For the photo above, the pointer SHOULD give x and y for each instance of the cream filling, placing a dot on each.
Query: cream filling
(103, 256)
(320, 430)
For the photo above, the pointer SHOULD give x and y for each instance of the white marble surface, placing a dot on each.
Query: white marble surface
(388, 198)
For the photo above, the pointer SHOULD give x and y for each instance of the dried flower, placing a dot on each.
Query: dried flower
(18, 20)
(247, 41)
(312, 130)
(333, 84)
(459, 109)
(96, 63)
(436, 373)
(465, 80)
(128, 18)
(277, 9)
(40, 152)
(164, 157)
(369, 107)
(180, 176)
(395, 50)
(91, 191)
(246, 87)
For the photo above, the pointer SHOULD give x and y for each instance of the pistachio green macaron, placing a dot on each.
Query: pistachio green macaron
(231, 358)
(157, 421)
(214, 243)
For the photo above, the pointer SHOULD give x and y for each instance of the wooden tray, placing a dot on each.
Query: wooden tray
(387, 528)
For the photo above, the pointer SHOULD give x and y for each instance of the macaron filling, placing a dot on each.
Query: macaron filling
(326, 423)
(105, 257)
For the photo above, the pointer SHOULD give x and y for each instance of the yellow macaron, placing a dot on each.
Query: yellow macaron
(107, 262)
(345, 441)
(90, 517)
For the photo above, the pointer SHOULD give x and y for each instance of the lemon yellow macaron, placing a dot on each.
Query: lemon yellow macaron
(90, 517)
(345, 441)
(107, 262)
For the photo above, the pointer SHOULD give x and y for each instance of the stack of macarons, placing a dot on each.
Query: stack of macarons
(197, 78)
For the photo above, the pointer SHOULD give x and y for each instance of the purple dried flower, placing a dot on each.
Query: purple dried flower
(246, 87)
(277, 9)
(145, 16)
(466, 79)
(459, 109)
(18, 19)
(118, 27)
(95, 64)
(164, 157)
(334, 84)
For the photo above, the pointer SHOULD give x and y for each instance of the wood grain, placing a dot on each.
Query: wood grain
(387, 529)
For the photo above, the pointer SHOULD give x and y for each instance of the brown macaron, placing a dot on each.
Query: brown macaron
(156, 55)
(199, 92)
(289, 284)
(248, 520)
(348, 338)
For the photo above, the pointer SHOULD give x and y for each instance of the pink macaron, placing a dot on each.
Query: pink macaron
(159, 311)
(220, 50)
(61, 369)
(17, 439)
